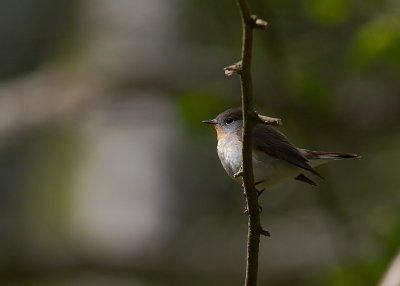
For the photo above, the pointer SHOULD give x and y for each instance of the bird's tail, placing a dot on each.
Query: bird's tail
(322, 155)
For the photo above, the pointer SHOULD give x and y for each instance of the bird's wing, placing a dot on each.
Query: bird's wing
(275, 144)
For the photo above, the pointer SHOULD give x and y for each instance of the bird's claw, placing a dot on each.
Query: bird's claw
(260, 192)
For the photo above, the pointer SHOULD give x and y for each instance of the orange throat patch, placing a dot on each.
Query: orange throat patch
(220, 134)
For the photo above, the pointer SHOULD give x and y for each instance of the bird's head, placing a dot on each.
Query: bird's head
(227, 122)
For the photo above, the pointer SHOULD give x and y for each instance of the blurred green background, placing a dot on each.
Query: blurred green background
(109, 178)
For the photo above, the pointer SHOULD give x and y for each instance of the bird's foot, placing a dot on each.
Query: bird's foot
(259, 192)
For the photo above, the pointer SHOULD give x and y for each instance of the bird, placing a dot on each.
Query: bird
(275, 158)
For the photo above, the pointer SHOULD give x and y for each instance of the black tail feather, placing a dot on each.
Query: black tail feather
(334, 155)
(314, 155)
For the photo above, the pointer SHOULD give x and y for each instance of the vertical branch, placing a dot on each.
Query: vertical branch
(243, 68)
(253, 236)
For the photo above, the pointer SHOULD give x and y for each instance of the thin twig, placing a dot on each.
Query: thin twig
(250, 118)
(269, 120)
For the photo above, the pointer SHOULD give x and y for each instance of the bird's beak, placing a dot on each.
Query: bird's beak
(212, 121)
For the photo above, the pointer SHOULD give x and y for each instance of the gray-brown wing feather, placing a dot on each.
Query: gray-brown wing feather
(275, 144)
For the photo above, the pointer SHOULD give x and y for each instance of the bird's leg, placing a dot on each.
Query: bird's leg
(259, 192)
(246, 210)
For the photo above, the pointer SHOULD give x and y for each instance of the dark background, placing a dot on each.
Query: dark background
(109, 178)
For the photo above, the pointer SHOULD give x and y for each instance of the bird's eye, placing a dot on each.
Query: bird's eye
(228, 120)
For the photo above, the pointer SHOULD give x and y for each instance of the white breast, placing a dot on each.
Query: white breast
(230, 154)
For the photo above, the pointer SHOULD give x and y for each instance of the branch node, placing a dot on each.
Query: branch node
(232, 69)
(257, 23)
(261, 24)
(269, 120)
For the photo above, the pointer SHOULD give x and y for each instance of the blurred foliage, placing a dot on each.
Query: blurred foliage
(199, 105)
(377, 42)
(307, 45)
(311, 88)
(327, 12)
(48, 161)
(35, 31)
